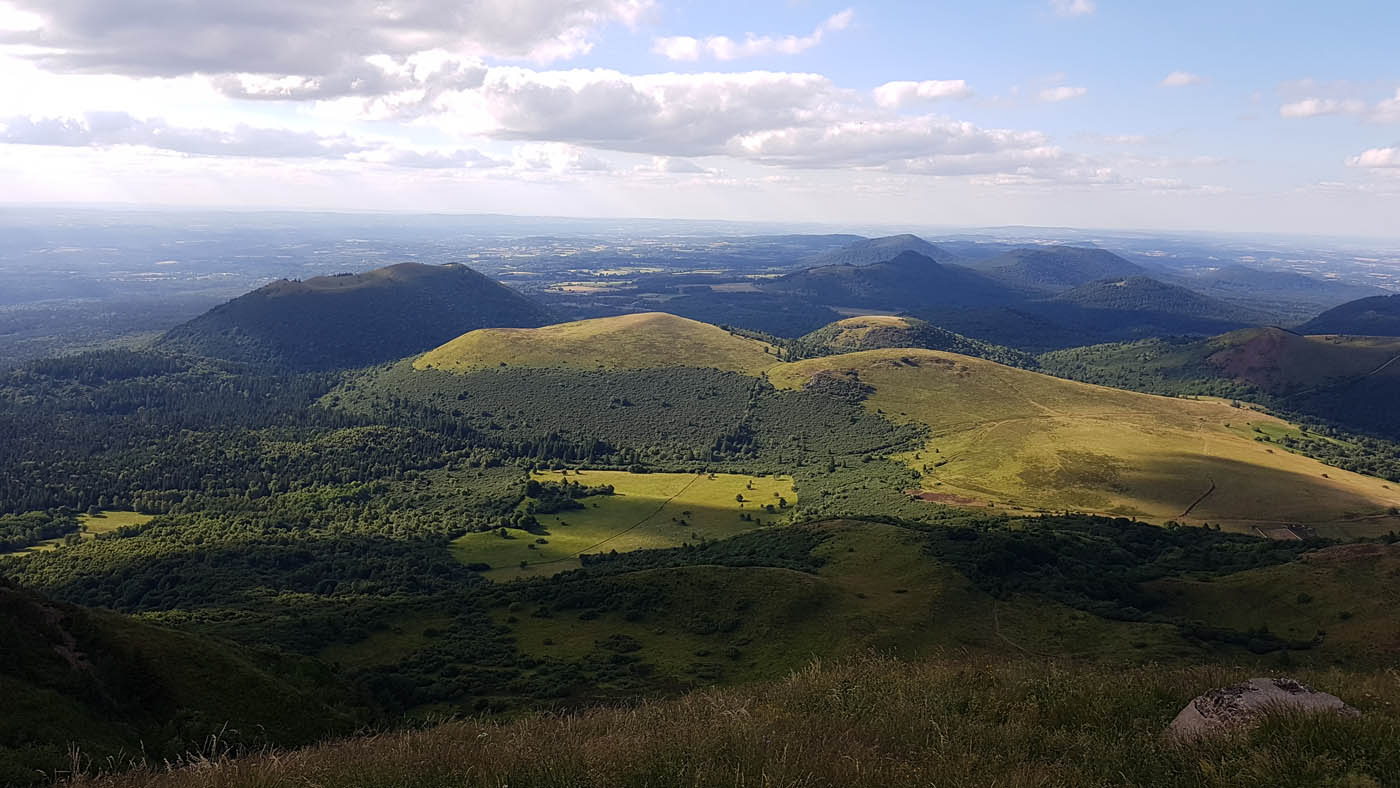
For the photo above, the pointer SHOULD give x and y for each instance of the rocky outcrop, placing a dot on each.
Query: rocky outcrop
(1241, 706)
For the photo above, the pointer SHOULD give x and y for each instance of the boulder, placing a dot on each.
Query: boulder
(1241, 706)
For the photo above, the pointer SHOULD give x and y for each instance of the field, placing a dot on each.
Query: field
(640, 341)
(91, 526)
(1016, 439)
(646, 510)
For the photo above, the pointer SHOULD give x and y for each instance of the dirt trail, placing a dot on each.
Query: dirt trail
(1198, 500)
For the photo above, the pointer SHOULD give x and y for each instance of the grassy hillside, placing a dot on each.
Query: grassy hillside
(351, 320)
(872, 332)
(1015, 438)
(1374, 316)
(127, 690)
(640, 341)
(871, 722)
(1144, 294)
(1344, 381)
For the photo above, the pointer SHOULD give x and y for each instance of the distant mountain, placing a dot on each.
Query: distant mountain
(874, 332)
(1288, 295)
(1144, 294)
(351, 320)
(125, 688)
(878, 250)
(1378, 316)
(1057, 268)
(906, 281)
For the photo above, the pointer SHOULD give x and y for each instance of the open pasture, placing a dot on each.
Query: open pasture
(646, 510)
(1018, 439)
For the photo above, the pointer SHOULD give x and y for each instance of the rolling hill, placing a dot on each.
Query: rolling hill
(1057, 268)
(873, 332)
(1142, 294)
(908, 280)
(1008, 437)
(1377, 316)
(877, 250)
(638, 341)
(68, 673)
(1348, 381)
(351, 320)
(1288, 296)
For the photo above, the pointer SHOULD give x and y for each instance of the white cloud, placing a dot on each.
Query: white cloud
(320, 48)
(558, 158)
(725, 48)
(1062, 93)
(1182, 79)
(1315, 107)
(858, 143)
(435, 159)
(107, 129)
(893, 95)
(664, 114)
(1073, 7)
(1376, 157)
(1384, 111)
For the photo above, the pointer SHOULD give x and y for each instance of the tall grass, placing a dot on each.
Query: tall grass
(873, 722)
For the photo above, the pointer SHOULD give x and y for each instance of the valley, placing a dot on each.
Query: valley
(417, 493)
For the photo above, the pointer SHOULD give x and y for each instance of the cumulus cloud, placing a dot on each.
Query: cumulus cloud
(1061, 93)
(872, 144)
(1182, 79)
(1376, 157)
(106, 129)
(321, 47)
(436, 159)
(1073, 7)
(664, 114)
(1315, 107)
(558, 158)
(726, 48)
(1384, 111)
(893, 95)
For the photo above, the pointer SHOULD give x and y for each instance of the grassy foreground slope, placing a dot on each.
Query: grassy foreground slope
(640, 341)
(870, 722)
(1017, 438)
(128, 690)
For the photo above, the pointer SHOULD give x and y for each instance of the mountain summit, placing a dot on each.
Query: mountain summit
(350, 320)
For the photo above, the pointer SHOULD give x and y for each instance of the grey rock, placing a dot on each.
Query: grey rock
(1241, 706)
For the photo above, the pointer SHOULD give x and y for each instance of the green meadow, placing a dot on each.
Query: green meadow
(646, 510)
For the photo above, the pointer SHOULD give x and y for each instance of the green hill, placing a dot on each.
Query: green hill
(351, 320)
(1015, 438)
(872, 332)
(1144, 294)
(1347, 381)
(130, 691)
(1377, 316)
(1057, 268)
(638, 341)
(907, 281)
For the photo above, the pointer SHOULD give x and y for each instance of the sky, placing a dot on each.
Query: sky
(1268, 116)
